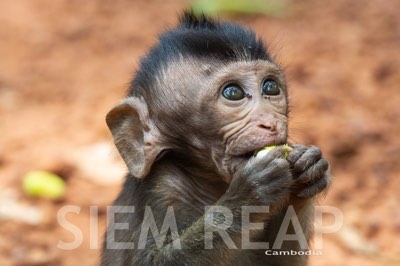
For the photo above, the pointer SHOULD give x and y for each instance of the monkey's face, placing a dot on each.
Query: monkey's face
(214, 114)
(236, 109)
(252, 110)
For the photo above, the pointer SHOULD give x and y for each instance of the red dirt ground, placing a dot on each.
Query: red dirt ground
(64, 64)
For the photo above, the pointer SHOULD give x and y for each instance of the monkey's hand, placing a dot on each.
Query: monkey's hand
(309, 170)
(264, 181)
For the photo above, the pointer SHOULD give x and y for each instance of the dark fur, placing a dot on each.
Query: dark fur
(201, 37)
(196, 37)
(185, 177)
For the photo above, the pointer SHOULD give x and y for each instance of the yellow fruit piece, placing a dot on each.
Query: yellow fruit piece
(43, 184)
(265, 150)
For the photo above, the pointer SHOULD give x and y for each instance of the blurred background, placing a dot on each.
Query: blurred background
(64, 64)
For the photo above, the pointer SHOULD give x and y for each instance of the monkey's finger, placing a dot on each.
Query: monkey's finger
(314, 172)
(275, 169)
(307, 159)
(271, 165)
(296, 153)
(275, 174)
(276, 187)
(315, 188)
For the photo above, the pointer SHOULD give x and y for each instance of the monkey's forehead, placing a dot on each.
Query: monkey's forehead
(245, 68)
(186, 71)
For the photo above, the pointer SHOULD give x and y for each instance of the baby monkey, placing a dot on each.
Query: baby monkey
(203, 101)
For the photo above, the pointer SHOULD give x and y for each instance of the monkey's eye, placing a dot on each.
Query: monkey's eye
(233, 92)
(270, 87)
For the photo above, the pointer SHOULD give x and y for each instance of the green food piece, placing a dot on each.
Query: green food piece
(267, 149)
(43, 184)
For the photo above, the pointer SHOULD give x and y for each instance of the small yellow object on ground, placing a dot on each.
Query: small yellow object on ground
(265, 150)
(43, 184)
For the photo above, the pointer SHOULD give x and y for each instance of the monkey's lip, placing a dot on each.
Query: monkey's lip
(246, 147)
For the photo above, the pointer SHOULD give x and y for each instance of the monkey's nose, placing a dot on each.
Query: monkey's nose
(269, 126)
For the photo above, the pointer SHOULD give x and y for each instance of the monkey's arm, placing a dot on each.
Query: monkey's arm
(311, 177)
(264, 182)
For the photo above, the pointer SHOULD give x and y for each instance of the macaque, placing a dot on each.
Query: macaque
(204, 100)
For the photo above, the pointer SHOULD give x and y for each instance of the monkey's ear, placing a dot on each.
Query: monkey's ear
(135, 135)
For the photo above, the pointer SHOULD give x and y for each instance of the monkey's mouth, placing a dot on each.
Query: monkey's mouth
(249, 145)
